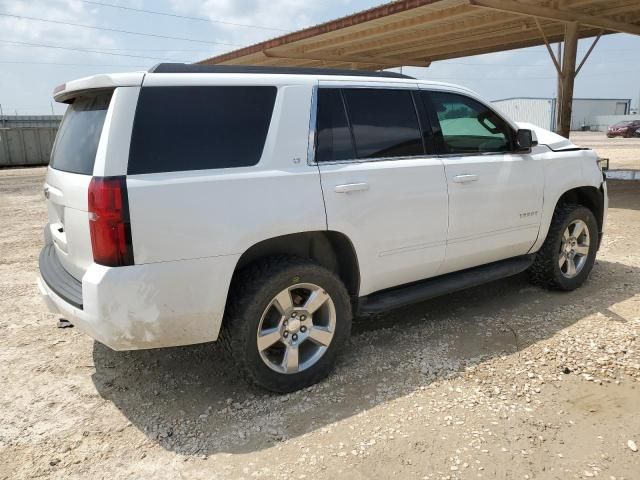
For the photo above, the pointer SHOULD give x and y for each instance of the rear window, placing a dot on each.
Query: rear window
(334, 136)
(198, 128)
(79, 133)
(384, 123)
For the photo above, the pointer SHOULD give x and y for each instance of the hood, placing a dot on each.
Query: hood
(548, 138)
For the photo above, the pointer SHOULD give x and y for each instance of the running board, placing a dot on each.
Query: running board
(434, 287)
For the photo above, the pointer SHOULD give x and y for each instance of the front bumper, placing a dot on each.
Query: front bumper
(605, 210)
(149, 306)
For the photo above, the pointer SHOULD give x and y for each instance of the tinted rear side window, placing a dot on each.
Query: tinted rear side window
(334, 137)
(79, 133)
(198, 128)
(384, 123)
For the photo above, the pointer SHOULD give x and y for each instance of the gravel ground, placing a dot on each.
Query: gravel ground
(500, 381)
(623, 153)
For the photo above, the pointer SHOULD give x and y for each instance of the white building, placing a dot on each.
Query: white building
(542, 111)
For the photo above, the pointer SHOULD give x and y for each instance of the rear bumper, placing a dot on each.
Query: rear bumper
(61, 282)
(148, 306)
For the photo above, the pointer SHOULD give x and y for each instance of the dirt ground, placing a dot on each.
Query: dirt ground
(501, 381)
(623, 153)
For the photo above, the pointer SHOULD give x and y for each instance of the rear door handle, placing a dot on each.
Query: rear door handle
(467, 178)
(352, 187)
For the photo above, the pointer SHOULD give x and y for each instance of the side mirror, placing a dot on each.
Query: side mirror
(525, 139)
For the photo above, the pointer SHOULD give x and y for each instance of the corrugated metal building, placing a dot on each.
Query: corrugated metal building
(542, 111)
(30, 121)
(539, 111)
(27, 140)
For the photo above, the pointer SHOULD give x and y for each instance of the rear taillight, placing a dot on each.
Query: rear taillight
(109, 221)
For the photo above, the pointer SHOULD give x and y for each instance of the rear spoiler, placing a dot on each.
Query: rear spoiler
(67, 91)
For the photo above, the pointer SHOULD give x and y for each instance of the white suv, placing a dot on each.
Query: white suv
(266, 207)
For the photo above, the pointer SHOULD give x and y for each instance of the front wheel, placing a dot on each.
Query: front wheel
(568, 253)
(286, 322)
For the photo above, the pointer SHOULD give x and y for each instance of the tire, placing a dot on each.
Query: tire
(546, 270)
(251, 312)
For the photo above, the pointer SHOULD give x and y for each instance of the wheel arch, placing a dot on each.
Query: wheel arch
(330, 249)
(587, 196)
(590, 196)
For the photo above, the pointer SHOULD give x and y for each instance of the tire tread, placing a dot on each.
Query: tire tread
(542, 271)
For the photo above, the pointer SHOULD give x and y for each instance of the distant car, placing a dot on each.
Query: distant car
(624, 129)
(637, 133)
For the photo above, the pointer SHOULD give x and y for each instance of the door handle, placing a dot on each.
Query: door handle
(352, 187)
(467, 178)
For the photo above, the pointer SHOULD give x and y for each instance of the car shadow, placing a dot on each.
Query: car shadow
(193, 401)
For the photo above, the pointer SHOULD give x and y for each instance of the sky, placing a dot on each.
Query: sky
(35, 56)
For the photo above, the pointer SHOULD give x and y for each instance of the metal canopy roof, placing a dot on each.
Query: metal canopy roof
(417, 32)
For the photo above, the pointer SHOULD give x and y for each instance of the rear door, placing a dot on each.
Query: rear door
(67, 182)
(495, 193)
(383, 186)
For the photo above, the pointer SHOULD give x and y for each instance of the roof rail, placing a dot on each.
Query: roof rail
(200, 68)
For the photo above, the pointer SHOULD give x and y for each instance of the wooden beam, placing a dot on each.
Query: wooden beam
(380, 30)
(568, 77)
(462, 44)
(481, 25)
(462, 41)
(586, 56)
(468, 49)
(357, 20)
(595, 8)
(464, 49)
(546, 42)
(566, 16)
(384, 61)
(424, 24)
(474, 34)
(558, 90)
(473, 26)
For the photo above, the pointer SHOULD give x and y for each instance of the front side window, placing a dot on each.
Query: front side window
(198, 128)
(468, 126)
(384, 123)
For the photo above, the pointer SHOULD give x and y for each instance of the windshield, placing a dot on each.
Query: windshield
(76, 144)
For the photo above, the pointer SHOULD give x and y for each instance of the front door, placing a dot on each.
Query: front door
(495, 193)
(381, 188)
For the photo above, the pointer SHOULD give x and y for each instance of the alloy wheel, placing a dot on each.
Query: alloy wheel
(574, 249)
(296, 328)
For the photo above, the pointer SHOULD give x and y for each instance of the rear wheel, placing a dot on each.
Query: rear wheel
(286, 322)
(568, 253)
